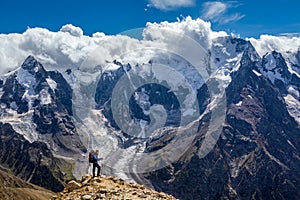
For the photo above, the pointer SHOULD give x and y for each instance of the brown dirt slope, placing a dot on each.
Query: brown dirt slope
(12, 187)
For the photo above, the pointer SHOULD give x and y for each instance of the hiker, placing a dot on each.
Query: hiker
(93, 158)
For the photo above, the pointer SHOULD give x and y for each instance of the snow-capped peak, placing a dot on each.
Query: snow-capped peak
(274, 67)
(251, 52)
(226, 51)
(26, 75)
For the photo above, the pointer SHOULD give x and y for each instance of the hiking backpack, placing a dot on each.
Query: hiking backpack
(91, 158)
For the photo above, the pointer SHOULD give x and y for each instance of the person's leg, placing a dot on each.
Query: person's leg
(100, 166)
(94, 168)
(98, 170)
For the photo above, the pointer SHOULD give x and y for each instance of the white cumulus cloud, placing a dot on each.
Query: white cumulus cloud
(69, 48)
(286, 45)
(197, 29)
(73, 30)
(217, 11)
(65, 48)
(171, 4)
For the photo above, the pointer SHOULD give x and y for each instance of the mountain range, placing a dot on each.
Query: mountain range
(240, 141)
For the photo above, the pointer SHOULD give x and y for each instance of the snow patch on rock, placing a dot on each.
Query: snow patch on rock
(45, 97)
(27, 80)
(51, 83)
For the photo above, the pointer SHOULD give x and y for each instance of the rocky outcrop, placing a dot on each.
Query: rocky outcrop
(90, 188)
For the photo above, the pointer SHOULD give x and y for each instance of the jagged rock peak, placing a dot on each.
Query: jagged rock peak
(274, 67)
(271, 60)
(278, 56)
(251, 54)
(108, 188)
(32, 65)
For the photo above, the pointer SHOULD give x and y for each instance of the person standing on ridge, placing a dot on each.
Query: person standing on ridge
(95, 163)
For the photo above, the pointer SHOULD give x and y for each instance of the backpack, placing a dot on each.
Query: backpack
(91, 158)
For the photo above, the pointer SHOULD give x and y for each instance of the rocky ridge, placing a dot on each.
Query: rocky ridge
(109, 187)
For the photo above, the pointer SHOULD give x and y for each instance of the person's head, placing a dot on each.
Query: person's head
(97, 151)
(92, 151)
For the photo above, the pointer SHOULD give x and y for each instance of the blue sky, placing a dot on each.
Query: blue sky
(249, 18)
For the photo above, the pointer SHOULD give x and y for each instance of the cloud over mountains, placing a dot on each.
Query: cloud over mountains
(69, 47)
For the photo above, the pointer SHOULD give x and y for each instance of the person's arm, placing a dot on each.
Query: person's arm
(96, 158)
